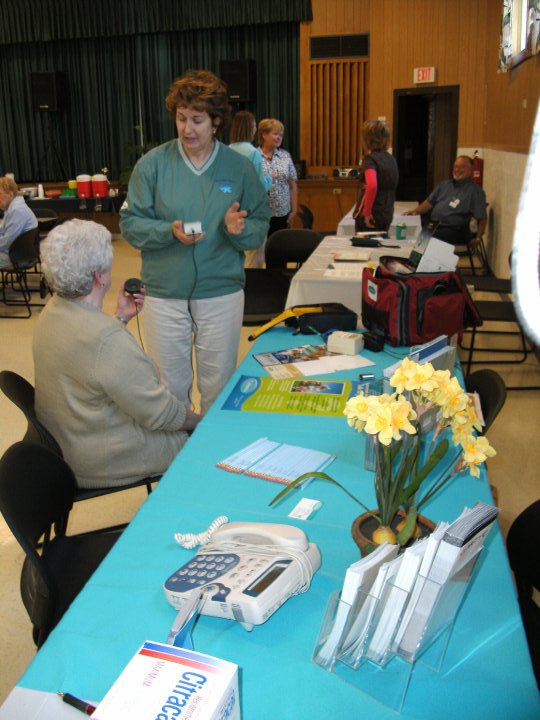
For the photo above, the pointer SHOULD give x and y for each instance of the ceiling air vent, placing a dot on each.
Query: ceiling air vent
(336, 46)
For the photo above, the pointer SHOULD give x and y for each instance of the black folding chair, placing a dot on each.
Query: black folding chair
(24, 258)
(523, 546)
(36, 493)
(492, 393)
(22, 394)
(291, 246)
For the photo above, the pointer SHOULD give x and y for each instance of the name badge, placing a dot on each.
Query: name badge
(454, 203)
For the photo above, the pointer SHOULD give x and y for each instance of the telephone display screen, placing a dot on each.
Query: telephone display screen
(265, 580)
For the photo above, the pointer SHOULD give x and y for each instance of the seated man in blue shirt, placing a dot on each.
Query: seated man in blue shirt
(18, 218)
(453, 203)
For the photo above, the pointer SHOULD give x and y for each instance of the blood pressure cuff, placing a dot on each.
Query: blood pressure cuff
(312, 319)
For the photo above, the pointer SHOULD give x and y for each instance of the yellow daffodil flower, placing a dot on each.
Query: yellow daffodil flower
(412, 376)
(475, 452)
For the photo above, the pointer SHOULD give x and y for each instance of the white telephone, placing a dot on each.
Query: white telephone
(246, 571)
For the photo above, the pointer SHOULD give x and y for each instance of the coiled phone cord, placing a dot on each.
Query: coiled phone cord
(189, 540)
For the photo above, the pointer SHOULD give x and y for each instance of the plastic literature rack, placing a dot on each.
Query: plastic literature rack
(390, 640)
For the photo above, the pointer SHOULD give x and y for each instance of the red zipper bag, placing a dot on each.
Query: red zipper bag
(411, 308)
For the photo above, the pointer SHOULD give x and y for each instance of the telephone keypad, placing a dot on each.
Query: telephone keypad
(200, 570)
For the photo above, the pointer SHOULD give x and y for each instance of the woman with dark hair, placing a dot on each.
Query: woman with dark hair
(193, 207)
(379, 176)
(243, 130)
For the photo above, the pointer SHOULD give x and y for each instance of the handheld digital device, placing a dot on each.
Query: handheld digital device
(133, 285)
(193, 228)
(246, 572)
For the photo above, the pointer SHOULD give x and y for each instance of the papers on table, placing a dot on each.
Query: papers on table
(397, 605)
(439, 256)
(345, 271)
(395, 601)
(354, 255)
(348, 264)
(359, 580)
(297, 396)
(277, 462)
(308, 360)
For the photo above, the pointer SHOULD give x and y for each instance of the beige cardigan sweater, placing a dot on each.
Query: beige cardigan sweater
(100, 396)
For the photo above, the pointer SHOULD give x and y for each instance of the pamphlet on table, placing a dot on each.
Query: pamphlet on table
(295, 396)
(307, 360)
(277, 462)
(393, 604)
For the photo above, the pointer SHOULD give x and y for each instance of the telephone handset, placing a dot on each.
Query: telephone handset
(246, 571)
(245, 533)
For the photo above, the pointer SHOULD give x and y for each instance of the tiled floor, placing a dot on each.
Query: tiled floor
(514, 471)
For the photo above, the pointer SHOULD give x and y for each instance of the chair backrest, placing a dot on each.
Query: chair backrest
(36, 494)
(306, 216)
(523, 546)
(47, 219)
(292, 245)
(492, 393)
(22, 394)
(23, 251)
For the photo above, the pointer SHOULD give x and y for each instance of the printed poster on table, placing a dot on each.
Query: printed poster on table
(307, 396)
(307, 360)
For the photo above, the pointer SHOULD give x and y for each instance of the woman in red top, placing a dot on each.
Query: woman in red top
(379, 171)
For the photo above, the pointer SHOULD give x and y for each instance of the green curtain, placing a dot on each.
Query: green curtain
(274, 49)
(44, 20)
(118, 83)
(91, 130)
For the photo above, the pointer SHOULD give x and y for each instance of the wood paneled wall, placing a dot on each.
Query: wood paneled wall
(448, 34)
(338, 97)
(459, 37)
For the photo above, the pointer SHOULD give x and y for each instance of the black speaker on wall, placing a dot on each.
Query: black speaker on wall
(240, 78)
(48, 91)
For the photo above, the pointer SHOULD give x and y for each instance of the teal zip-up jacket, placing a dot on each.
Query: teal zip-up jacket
(163, 188)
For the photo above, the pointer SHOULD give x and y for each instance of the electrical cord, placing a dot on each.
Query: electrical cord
(139, 332)
(193, 321)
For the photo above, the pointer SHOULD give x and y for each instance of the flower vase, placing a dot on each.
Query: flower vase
(370, 461)
(365, 525)
(370, 449)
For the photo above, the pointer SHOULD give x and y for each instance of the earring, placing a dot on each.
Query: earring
(214, 131)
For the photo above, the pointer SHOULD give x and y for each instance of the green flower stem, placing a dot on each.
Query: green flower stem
(445, 477)
(405, 534)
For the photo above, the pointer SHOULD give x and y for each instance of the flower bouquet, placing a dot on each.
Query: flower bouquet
(412, 464)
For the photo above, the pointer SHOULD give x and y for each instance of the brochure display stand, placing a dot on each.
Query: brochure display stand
(390, 640)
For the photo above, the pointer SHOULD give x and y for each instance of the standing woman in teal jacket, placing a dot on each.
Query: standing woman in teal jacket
(193, 207)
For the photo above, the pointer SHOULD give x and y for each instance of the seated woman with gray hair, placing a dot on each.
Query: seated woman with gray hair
(97, 391)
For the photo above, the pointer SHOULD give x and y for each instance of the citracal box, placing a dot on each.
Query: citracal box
(162, 682)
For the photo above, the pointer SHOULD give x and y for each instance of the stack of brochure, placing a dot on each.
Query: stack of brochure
(277, 462)
(396, 604)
